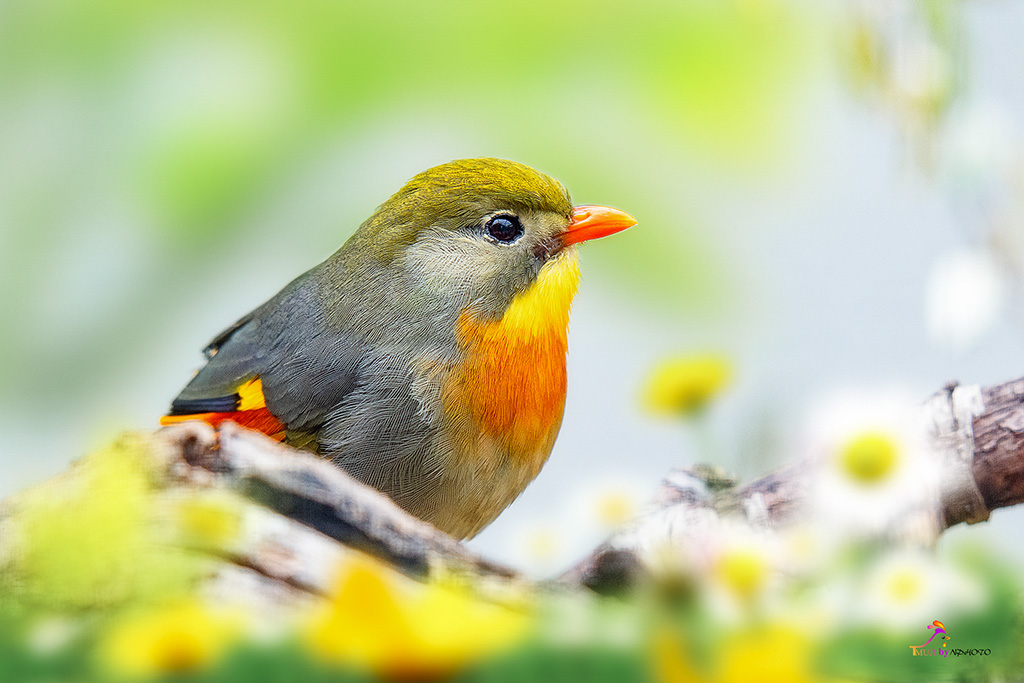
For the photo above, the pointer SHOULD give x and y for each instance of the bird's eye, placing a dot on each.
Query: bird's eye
(504, 228)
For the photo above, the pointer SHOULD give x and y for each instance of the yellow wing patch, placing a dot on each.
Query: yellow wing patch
(251, 412)
(250, 395)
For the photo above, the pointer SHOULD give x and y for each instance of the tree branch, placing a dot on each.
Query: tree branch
(302, 514)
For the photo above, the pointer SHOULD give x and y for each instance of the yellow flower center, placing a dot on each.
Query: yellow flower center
(685, 385)
(905, 586)
(870, 458)
(178, 638)
(614, 509)
(542, 544)
(180, 652)
(743, 571)
(209, 519)
(383, 622)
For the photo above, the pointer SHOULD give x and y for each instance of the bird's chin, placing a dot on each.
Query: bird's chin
(566, 252)
(566, 260)
(554, 248)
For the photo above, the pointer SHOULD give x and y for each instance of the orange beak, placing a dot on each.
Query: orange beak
(591, 222)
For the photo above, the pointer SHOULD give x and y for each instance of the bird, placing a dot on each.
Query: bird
(427, 356)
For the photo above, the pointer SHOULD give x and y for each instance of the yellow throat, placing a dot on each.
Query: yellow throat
(513, 376)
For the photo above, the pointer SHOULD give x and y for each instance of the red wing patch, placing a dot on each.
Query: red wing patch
(250, 410)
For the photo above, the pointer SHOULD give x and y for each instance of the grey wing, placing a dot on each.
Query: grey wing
(335, 394)
(306, 368)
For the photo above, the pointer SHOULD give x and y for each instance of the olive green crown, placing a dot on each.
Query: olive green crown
(459, 193)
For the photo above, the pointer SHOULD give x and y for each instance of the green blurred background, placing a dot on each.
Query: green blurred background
(804, 173)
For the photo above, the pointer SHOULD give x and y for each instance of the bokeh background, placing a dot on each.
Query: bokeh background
(830, 197)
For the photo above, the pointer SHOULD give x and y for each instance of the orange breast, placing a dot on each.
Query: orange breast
(512, 380)
(513, 388)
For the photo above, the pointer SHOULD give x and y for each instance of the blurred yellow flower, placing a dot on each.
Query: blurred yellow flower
(684, 385)
(381, 622)
(904, 586)
(210, 519)
(615, 508)
(870, 457)
(179, 638)
(772, 654)
(743, 572)
(542, 544)
(669, 660)
(91, 540)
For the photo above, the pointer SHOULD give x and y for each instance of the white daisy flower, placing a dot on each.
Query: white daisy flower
(871, 462)
(965, 296)
(913, 588)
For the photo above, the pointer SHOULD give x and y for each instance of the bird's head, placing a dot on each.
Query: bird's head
(486, 232)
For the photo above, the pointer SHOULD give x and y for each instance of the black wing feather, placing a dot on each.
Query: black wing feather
(194, 406)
